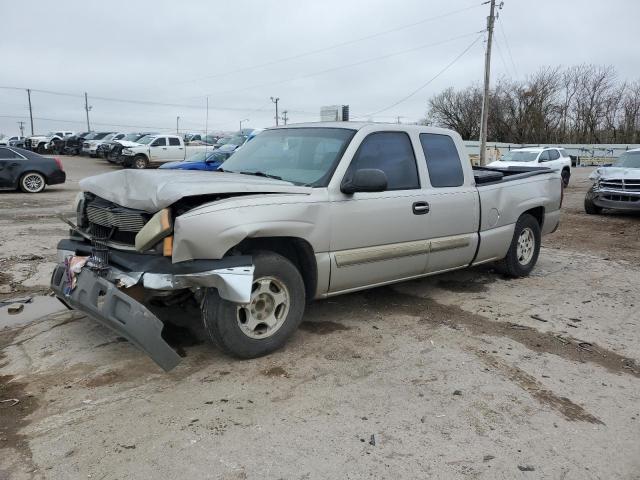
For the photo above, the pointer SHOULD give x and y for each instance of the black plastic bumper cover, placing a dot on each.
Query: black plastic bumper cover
(103, 302)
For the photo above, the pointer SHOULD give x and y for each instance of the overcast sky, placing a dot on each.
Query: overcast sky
(181, 52)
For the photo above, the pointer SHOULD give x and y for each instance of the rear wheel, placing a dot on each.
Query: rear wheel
(524, 249)
(140, 162)
(32, 182)
(265, 323)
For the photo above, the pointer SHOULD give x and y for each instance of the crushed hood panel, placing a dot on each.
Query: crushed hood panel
(153, 190)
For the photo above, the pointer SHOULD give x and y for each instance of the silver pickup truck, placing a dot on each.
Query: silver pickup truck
(302, 212)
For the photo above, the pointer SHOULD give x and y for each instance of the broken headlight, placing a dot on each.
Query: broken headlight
(79, 206)
(159, 227)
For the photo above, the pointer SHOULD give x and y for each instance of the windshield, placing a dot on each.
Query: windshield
(519, 156)
(237, 140)
(304, 156)
(131, 137)
(109, 137)
(223, 141)
(100, 136)
(147, 139)
(210, 156)
(628, 160)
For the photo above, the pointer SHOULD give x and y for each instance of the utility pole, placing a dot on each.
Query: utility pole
(21, 128)
(284, 116)
(87, 108)
(276, 100)
(30, 111)
(178, 125)
(487, 75)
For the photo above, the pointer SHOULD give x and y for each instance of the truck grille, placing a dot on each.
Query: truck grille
(107, 214)
(626, 185)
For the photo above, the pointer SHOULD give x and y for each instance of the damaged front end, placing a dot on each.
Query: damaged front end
(117, 265)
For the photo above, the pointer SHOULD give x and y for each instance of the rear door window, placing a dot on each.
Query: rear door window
(554, 155)
(6, 153)
(443, 161)
(174, 142)
(392, 153)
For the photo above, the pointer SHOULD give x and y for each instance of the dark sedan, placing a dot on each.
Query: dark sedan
(28, 171)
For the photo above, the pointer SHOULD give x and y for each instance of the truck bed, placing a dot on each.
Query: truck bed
(492, 175)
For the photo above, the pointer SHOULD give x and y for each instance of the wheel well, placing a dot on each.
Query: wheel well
(297, 250)
(537, 213)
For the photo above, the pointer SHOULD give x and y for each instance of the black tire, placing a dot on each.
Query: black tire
(223, 319)
(515, 264)
(40, 148)
(590, 207)
(566, 175)
(140, 162)
(32, 182)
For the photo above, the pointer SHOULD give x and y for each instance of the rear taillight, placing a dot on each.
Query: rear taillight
(58, 162)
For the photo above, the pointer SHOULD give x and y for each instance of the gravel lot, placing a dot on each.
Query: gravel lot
(462, 375)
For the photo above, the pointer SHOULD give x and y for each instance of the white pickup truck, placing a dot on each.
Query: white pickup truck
(154, 150)
(301, 212)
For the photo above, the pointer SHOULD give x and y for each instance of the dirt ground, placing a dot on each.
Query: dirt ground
(465, 375)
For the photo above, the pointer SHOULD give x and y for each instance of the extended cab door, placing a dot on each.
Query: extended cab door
(158, 152)
(176, 149)
(379, 237)
(453, 218)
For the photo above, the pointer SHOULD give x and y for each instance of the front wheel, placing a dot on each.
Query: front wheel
(140, 162)
(32, 182)
(566, 175)
(265, 323)
(589, 207)
(524, 249)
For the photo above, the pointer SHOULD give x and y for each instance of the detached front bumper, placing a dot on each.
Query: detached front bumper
(104, 297)
(616, 199)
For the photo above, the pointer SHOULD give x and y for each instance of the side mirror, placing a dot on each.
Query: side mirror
(365, 180)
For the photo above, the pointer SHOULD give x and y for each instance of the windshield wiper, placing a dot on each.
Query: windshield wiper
(262, 174)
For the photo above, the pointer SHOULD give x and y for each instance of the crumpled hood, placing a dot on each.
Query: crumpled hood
(153, 190)
(127, 143)
(617, 173)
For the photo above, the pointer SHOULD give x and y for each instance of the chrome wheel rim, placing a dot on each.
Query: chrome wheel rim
(268, 309)
(33, 182)
(526, 244)
(140, 163)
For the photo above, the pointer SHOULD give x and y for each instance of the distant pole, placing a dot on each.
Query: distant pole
(30, 110)
(284, 116)
(241, 122)
(178, 125)
(87, 108)
(487, 75)
(21, 128)
(276, 100)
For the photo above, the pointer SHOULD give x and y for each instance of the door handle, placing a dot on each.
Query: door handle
(420, 208)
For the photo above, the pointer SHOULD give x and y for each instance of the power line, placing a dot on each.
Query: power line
(336, 45)
(504, 64)
(449, 65)
(506, 41)
(349, 65)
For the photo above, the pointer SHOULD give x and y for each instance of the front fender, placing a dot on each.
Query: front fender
(211, 234)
